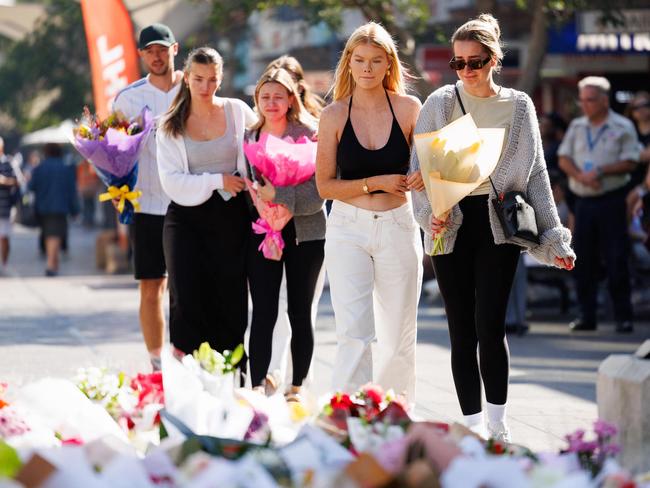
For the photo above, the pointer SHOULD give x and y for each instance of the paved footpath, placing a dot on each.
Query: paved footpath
(52, 326)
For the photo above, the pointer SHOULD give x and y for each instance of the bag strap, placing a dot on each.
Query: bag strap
(460, 101)
(462, 108)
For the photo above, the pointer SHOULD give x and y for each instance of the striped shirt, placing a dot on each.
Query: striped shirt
(130, 101)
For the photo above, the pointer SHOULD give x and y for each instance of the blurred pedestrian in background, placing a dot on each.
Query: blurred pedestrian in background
(638, 198)
(8, 194)
(598, 153)
(88, 184)
(552, 128)
(55, 189)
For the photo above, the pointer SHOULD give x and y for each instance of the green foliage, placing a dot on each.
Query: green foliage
(216, 363)
(559, 11)
(10, 463)
(227, 13)
(53, 59)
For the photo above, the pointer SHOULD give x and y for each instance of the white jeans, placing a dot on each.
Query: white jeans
(374, 264)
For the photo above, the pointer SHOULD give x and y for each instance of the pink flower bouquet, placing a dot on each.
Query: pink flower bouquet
(284, 162)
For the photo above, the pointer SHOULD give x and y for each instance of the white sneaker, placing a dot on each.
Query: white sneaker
(499, 432)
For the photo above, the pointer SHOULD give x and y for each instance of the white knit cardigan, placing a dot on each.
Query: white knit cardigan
(522, 168)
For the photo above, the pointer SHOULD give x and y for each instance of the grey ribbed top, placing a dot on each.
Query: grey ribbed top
(214, 156)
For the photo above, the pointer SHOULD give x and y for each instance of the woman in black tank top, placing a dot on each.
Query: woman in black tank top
(356, 162)
(373, 251)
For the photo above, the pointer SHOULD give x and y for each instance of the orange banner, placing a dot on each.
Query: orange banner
(111, 48)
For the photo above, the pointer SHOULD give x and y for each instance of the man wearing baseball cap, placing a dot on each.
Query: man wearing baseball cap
(157, 48)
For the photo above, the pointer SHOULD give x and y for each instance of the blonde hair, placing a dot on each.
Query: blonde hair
(310, 100)
(486, 31)
(296, 112)
(175, 119)
(375, 35)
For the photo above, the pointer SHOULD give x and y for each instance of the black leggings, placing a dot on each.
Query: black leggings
(475, 281)
(302, 263)
(205, 254)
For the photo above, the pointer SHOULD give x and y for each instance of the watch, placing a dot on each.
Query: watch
(365, 186)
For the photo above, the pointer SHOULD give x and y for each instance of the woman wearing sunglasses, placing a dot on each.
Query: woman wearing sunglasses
(476, 273)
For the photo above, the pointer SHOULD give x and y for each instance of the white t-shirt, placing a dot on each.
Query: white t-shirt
(130, 101)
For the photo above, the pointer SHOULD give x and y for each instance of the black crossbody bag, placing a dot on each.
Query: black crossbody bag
(515, 214)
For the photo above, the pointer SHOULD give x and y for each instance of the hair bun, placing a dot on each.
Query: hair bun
(492, 22)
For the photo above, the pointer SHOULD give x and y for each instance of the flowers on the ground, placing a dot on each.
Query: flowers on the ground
(9, 461)
(216, 363)
(132, 402)
(11, 423)
(367, 418)
(592, 453)
(243, 438)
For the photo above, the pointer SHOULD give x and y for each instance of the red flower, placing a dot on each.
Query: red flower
(341, 401)
(372, 393)
(3, 404)
(394, 414)
(149, 388)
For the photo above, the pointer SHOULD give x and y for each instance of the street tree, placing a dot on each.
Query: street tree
(407, 18)
(45, 78)
(402, 18)
(547, 14)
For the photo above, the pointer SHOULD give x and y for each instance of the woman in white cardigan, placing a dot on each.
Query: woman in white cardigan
(200, 160)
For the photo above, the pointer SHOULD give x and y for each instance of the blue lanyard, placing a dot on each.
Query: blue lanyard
(592, 142)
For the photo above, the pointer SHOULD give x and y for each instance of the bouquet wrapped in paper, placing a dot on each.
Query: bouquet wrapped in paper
(454, 161)
(284, 162)
(112, 146)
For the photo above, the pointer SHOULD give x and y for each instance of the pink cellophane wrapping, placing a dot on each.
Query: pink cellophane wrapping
(283, 162)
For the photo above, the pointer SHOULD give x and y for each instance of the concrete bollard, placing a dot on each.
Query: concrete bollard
(623, 394)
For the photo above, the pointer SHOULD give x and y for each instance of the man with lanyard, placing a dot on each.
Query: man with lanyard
(157, 48)
(598, 153)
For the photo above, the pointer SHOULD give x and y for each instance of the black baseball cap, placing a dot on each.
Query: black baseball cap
(156, 34)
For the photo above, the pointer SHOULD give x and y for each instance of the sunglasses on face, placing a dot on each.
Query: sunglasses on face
(459, 64)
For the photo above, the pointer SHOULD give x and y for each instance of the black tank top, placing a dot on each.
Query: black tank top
(356, 162)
